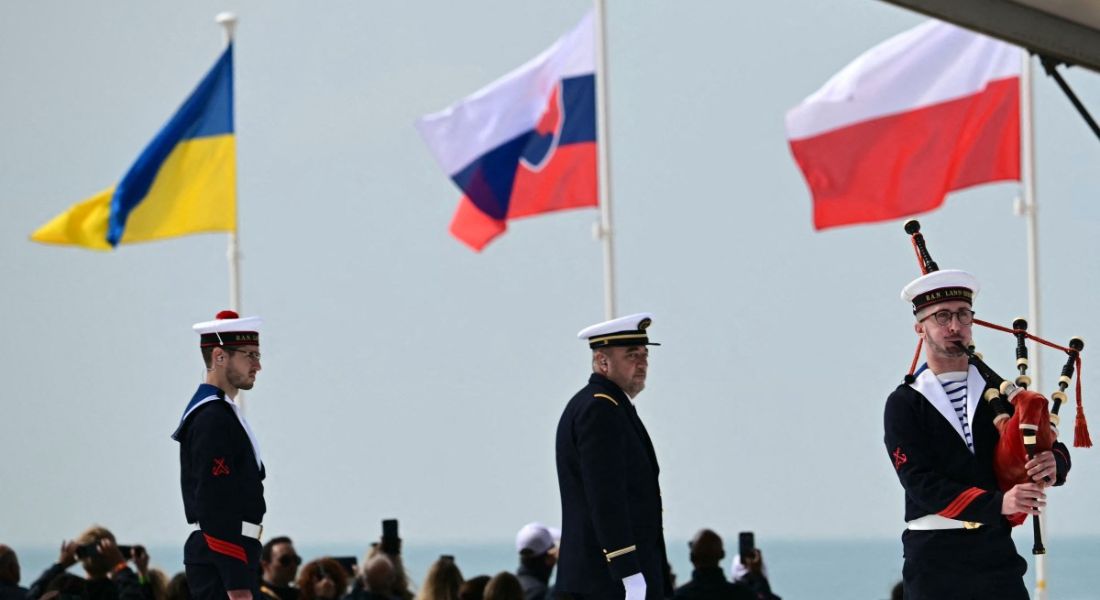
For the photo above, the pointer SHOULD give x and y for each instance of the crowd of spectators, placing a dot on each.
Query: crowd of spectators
(111, 572)
(115, 572)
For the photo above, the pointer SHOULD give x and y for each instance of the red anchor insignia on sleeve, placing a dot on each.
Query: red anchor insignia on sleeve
(899, 459)
(220, 468)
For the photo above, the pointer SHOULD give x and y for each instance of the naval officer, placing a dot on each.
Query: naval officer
(612, 539)
(940, 438)
(221, 471)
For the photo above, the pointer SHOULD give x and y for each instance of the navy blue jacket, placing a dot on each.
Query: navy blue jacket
(222, 488)
(937, 470)
(610, 498)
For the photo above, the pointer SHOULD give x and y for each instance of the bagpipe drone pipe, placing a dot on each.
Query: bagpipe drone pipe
(1025, 424)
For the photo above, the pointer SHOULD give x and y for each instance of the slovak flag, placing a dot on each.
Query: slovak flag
(524, 145)
(932, 110)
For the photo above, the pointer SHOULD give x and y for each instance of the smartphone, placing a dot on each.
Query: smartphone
(746, 545)
(87, 550)
(127, 552)
(348, 562)
(391, 542)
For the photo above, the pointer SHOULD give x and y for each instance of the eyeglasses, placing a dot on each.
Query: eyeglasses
(943, 317)
(253, 356)
(287, 560)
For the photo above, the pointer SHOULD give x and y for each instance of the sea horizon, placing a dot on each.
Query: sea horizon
(812, 568)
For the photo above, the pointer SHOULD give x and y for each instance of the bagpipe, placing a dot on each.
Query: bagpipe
(1022, 418)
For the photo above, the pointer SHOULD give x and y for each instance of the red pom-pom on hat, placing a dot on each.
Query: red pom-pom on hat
(229, 329)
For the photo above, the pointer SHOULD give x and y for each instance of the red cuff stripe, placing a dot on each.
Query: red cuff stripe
(961, 502)
(1064, 457)
(226, 548)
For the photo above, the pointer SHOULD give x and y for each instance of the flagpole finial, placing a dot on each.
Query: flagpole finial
(228, 20)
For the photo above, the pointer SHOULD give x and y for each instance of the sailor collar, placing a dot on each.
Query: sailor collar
(928, 385)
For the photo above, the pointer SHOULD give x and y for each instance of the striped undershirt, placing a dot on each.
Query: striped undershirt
(954, 385)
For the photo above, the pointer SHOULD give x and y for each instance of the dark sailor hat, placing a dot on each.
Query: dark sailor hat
(623, 331)
(940, 286)
(229, 329)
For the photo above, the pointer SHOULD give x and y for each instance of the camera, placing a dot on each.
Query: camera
(92, 549)
(87, 550)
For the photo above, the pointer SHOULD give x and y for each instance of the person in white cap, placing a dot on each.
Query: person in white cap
(221, 471)
(535, 544)
(940, 438)
(612, 538)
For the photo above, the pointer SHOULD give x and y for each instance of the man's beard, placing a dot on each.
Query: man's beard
(241, 382)
(951, 350)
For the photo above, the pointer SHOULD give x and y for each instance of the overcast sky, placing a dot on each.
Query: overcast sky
(405, 375)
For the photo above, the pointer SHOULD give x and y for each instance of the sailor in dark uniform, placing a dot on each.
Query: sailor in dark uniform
(940, 439)
(221, 471)
(612, 539)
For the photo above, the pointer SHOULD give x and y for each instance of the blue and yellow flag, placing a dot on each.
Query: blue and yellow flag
(184, 182)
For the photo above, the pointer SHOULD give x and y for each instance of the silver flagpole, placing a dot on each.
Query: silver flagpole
(1027, 208)
(228, 21)
(603, 229)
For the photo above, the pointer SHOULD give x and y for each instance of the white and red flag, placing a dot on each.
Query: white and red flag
(929, 111)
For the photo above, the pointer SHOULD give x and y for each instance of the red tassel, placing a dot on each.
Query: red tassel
(1081, 438)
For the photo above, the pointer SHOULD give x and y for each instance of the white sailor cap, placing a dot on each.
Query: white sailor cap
(535, 538)
(940, 286)
(624, 331)
(229, 329)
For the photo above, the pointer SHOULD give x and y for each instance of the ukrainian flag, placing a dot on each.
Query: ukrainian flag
(184, 182)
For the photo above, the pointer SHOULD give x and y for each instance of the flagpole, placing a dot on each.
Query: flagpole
(1028, 209)
(603, 231)
(228, 21)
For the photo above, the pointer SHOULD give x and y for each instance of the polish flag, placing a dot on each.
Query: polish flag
(932, 110)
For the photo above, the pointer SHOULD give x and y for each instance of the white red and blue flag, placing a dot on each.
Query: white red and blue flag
(525, 144)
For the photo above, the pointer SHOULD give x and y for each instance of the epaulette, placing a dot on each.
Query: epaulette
(606, 397)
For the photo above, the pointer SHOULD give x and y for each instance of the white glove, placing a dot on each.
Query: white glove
(635, 587)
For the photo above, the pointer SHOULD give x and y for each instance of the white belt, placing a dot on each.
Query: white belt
(931, 522)
(251, 530)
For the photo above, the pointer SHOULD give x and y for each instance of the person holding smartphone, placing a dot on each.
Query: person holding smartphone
(708, 582)
(107, 574)
(221, 470)
(612, 538)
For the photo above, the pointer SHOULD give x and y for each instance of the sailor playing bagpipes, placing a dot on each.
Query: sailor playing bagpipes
(973, 452)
